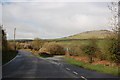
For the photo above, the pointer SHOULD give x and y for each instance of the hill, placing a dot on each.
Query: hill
(100, 34)
(21, 40)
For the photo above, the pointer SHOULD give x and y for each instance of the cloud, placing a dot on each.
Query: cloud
(60, 0)
(53, 19)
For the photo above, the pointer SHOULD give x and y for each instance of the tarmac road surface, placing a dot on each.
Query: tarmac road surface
(26, 65)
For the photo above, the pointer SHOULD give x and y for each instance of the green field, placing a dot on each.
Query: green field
(83, 38)
(67, 42)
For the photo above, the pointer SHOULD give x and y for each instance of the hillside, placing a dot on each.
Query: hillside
(21, 40)
(92, 34)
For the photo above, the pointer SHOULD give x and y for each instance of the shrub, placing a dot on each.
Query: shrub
(53, 48)
(75, 50)
(90, 49)
(103, 52)
(102, 56)
(37, 44)
(7, 52)
(11, 45)
(113, 49)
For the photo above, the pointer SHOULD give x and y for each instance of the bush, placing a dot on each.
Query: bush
(113, 49)
(101, 56)
(37, 44)
(11, 45)
(90, 49)
(75, 50)
(8, 53)
(53, 48)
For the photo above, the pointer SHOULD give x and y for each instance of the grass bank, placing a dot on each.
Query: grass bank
(8, 55)
(98, 67)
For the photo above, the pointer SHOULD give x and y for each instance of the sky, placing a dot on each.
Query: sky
(50, 20)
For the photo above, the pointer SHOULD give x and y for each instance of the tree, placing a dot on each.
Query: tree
(113, 7)
(115, 24)
(4, 39)
(90, 49)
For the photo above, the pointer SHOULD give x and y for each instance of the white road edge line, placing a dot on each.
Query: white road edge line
(75, 72)
(68, 69)
(83, 77)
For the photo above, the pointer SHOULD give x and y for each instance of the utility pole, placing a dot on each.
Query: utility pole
(14, 37)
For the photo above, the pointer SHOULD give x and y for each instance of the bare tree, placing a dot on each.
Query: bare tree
(4, 39)
(114, 7)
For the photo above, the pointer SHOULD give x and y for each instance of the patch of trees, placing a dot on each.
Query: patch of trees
(7, 52)
(90, 49)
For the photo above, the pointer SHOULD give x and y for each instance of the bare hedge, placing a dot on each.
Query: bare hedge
(53, 48)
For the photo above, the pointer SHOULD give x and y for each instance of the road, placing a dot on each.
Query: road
(26, 65)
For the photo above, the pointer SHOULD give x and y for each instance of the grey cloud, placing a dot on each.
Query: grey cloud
(59, 0)
(53, 20)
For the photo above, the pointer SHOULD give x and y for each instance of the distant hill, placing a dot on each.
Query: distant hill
(100, 34)
(21, 40)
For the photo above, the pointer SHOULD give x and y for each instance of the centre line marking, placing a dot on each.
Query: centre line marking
(83, 77)
(67, 68)
(75, 72)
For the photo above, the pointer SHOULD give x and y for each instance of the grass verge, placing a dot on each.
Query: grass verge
(99, 67)
(8, 55)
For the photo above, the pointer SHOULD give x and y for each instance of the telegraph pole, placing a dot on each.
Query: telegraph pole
(14, 37)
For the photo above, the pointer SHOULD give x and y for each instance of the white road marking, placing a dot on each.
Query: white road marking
(57, 63)
(75, 72)
(83, 77)
(67, 68)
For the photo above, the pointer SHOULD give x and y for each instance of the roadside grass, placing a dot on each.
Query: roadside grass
(102, 68)
(58, 55)
(75, 62)
(98, 67)
(8, 55)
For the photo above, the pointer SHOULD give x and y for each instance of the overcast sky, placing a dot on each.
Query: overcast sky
(49, 20)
